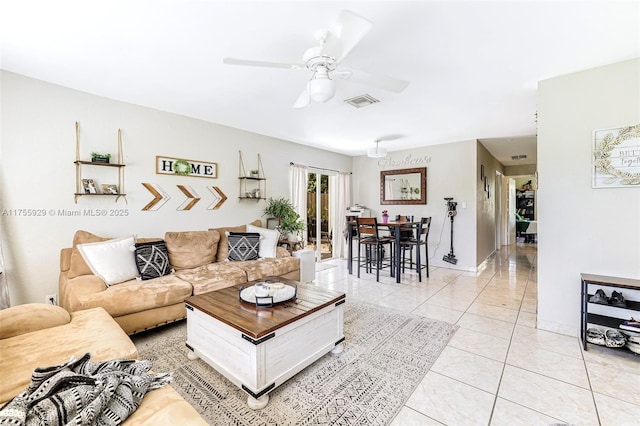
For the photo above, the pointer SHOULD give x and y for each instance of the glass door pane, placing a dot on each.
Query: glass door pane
(319, 234)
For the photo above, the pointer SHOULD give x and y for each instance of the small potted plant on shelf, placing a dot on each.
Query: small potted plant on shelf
(96, 157)
(254, 173)
(289, 224)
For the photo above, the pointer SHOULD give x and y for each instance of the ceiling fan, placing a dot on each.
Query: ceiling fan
(324, 61)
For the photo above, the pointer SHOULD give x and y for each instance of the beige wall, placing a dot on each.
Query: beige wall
(451, 172)
(486, 204)
(528, 169)
(582, 229)
(37, 172)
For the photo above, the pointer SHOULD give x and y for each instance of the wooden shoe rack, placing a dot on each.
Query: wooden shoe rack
(605, 315)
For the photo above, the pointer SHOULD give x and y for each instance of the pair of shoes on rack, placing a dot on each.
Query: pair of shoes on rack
(601, 298)
(595, 336)
(617, 300)
(633, 347)
(631, 325)
(611, 338)
(614, 339)
(632, 336)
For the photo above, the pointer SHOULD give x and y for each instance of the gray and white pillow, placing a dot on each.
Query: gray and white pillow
(152, 260)
(243, 245)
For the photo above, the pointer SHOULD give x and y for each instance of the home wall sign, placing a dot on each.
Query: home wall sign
(184, 167)
(616, 157)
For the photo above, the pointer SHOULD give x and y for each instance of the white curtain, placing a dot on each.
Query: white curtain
(299, 183)
(388, 190)
(339, 218)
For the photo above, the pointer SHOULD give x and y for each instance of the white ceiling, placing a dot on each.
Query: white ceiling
(473, 66)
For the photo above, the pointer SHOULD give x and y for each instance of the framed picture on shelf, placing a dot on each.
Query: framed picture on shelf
(109, 188)
(89, 186)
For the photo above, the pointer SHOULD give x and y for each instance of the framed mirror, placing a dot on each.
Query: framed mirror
(403, 186)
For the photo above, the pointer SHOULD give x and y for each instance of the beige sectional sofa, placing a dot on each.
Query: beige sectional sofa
(38, 335)
(199, 259)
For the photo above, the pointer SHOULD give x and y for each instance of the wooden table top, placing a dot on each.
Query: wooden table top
(256, 322)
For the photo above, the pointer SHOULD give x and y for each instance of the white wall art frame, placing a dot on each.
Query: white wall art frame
(616, 157)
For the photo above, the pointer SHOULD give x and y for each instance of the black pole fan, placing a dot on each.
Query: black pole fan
(451, 212)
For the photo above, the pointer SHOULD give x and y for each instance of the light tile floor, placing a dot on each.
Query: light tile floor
(498, 369)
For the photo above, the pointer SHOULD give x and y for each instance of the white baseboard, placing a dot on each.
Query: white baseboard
(566, 329)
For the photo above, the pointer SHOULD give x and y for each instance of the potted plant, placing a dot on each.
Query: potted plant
(254, 173)
(385, 216)
(289, 222)
(96, 157)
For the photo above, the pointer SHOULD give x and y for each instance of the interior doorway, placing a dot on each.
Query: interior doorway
(319, 215)
(526, 208)
(498, 209)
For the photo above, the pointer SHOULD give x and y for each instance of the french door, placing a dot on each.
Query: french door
(320, 202)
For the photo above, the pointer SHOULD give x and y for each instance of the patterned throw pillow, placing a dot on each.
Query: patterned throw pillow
(243, 245)
(152, 260)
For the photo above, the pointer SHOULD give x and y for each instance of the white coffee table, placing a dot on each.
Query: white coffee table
(259, 348)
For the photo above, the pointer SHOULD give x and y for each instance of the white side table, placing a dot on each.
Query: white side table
(307, 264)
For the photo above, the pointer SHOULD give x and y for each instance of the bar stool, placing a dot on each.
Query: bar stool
(351, 228)
(420, 239)
(369, 237)
(406, 234)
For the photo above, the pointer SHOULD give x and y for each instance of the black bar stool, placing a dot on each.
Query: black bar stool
(369, 237)
(420, 239)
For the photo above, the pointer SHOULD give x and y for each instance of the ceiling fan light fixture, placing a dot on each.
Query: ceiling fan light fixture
(377, 151)
(321, 87)
(321, 90)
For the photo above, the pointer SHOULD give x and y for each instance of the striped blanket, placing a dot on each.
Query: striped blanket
(82, 392)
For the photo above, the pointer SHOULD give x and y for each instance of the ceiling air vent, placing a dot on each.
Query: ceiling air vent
(518, 157)
(362, 101)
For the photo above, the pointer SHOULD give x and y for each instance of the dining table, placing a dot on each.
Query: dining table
(394, 226)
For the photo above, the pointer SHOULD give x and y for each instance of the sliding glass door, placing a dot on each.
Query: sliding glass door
(319, 220)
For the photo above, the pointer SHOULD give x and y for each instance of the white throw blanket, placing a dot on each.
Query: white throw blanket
(81, 392)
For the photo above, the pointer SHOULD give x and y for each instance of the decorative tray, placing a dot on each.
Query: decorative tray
(267, 294)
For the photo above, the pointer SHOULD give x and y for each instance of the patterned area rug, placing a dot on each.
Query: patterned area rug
(386, 355)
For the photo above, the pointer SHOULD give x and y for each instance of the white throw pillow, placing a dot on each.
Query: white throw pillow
(113, 260)
(268, 240)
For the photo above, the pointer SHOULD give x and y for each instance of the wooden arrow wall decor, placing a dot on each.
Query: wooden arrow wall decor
(159, 194)
(218, 197)
(192, 197)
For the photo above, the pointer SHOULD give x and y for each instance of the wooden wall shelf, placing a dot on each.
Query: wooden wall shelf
(251, 187)
(80, 164)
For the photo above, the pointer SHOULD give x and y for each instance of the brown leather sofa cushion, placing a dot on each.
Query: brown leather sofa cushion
(90, 330)
(190, 249)
(132, 296)
(30, 317)
(77, 265)
(277, 266)
(213, 276)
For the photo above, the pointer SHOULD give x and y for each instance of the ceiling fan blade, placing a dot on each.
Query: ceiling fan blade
(251, 63)
(303, 100)
(345, 34)
(375, 80)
